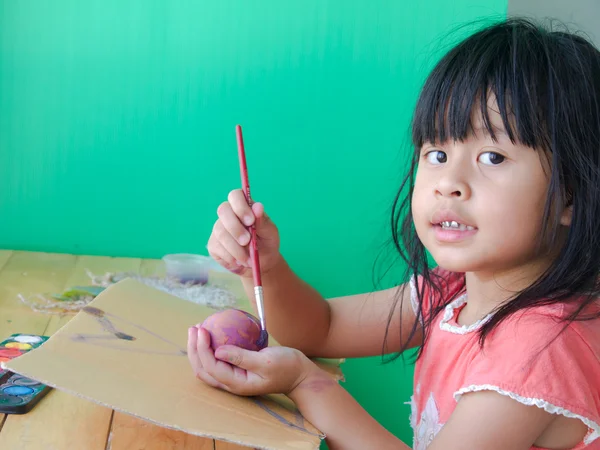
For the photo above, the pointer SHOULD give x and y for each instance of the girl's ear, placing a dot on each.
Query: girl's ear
(567, 216)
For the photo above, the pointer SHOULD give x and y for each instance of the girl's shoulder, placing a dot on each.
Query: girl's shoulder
(551, 326)
(538, 358)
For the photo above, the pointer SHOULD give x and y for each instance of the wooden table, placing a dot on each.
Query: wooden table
(62, 421)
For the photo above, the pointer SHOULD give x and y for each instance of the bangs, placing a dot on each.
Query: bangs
(510, 64)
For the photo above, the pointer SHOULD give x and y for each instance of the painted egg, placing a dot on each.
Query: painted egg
(235, 327)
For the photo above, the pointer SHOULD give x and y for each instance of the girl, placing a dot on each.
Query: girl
(504, 193)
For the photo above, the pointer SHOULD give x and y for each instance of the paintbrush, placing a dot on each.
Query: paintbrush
(258, 289)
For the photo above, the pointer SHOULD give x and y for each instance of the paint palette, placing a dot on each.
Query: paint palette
(16, 345)
(19, 394)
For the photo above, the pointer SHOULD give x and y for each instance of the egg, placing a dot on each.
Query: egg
(235, 327)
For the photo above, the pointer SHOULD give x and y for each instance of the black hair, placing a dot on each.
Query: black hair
(547, 87)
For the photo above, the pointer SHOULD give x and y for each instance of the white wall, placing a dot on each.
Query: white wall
(583, 15)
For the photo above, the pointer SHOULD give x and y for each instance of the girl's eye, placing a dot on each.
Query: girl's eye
(436, 157)
(491, 158)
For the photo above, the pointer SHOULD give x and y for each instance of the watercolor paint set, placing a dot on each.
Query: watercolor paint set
(18, 394)
(16, 345)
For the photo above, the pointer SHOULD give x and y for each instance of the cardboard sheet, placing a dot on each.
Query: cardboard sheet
(127, 351)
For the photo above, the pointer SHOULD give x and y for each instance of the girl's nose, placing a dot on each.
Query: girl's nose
(453, 185)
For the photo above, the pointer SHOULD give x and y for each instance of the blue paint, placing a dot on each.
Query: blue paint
(263, 339)
(8, 400)
(17, 390)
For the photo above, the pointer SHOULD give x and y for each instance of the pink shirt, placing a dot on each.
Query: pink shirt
(563, 378)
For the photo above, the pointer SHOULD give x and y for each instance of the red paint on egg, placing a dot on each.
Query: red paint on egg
(234, 327)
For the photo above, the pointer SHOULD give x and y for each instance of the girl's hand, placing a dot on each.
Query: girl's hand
(273, 370)
(228, 242)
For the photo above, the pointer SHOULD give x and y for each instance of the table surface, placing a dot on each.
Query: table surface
(63, 421)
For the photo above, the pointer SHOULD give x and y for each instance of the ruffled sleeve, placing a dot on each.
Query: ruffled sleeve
(530, 360)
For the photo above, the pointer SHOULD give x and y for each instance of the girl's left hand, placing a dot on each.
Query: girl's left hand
(273, 370)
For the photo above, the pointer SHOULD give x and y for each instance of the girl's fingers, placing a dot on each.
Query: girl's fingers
(231, 246)
(224, 258)
(192, 343)
(218, 252)
(232, 223)
(240, 207)
(194, 360)
(208, 379)
(265, 227)
(231, 378)
(217, 369)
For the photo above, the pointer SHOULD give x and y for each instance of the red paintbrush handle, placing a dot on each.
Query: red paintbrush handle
(254, 257)
(246, 190)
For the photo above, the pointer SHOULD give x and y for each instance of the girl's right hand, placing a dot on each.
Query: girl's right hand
(229, 241)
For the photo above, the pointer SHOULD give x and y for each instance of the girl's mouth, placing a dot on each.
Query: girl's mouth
(453, 225)
(452, 231)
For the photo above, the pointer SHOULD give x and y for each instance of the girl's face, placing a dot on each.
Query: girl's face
(478, 205)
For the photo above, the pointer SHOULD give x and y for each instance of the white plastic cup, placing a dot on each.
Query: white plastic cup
(187, 268)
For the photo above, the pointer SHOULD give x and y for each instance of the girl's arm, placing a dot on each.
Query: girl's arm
(297, 315)
(347, 426)
(482, 420)
(344, 327)
(487, 420)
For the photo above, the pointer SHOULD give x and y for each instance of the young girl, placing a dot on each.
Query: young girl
(504, 193)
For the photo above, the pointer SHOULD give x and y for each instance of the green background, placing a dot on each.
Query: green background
(117, 131)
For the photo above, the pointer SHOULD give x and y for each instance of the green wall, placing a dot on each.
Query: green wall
(117, 130)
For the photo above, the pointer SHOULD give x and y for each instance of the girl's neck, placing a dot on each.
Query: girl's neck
(488, 290)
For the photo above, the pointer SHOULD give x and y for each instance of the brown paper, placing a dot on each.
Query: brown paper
(127, 351)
